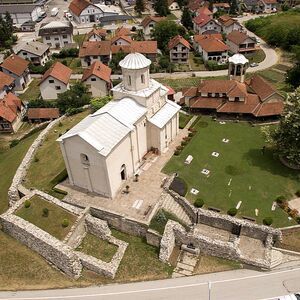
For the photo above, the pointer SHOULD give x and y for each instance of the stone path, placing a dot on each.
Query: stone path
(186, 264)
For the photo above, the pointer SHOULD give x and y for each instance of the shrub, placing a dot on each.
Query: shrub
(298, 193)
(298, 220)
(268, 221)
(232, 211)
(177, 152)
(191, 134)
(293, 213)
(27, 204)
(45, 212)
(73, 111)
(199, 202)
(65, 223)
(184, 143)
(36, 159)
(179, 148)
(60, 124)
(59, 177)
(280, 199)
(14, 143)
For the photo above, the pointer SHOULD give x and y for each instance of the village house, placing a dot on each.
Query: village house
(204, 11)
(107, 147)
(211, 47)
(12, 111)
(221, 7)
(267, 6)
(35, 52)
(57, 34)
(240, 42)
(96, 35)
(17, 68)
(38, 115)
(229, 24)
(148, 25)
(55, 81)
(7, 84)
(94, 51)
(121, 40)
(179, 50)
(204, 24)
(194, 5)
(234, 97)
(123, 31)
(28, 26)
(97, 79)
(173, 5)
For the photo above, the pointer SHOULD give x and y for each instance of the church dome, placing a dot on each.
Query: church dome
(238, 59)
(135, 61)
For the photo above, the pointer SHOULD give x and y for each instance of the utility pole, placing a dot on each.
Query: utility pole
(209, 290)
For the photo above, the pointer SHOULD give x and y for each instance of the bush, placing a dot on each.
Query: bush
(298, 193)
(184, 143)
(36, 159)
(293, 213)
(280, 199)
(59, 191)
(177, 152)
(232, 211)
(59, 177)
(45, 212)
(64, 53)
(298, 220)
(214, 66)
(73, 111)
(199, 202)
(14, 143)
(65, 223)
(27, 204)
(191, 134)
(179, 148)
(268, 221)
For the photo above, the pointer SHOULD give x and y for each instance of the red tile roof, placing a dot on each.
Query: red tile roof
(15, 64)
(226, 21)
(94, 48)
(122, 31)
(199, 37)
(193, 5)
(122, 37)
(5, 80)
(149, 19)
(170, 90)
(9, 107)
(206, 102)
(204, 10)
(211, 44)
(190, 92)
(59, 72)
(178, 39)
(238, 37)
(202, 19)
(269, 109)
(97, 31)
(43, 113)
(99, 70)
(77, 6)
(144, 47)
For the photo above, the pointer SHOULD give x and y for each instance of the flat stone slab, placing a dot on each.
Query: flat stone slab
(194, 191)
(205, 172)
(184, 272)
(191, 261)
(185, 267)
(177, 275)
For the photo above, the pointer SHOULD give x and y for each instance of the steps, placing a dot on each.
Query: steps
(185, 265)
(170, 205)
(276, 258)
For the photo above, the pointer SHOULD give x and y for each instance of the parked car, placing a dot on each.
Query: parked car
(253, 65)
(54, 11)
(39, 19)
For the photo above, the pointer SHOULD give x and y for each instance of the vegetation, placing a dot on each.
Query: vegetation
(199, 202)
(290, 241)
(58, 221)
(66, 52)
(232, 211)
(186, 19)
(114, 63)
(139, 6)
(40, 69)
(256, 57)
(7, 37)
(32, 93)
(97, 103)
(161, 7)
(268, 221)
(184, 119)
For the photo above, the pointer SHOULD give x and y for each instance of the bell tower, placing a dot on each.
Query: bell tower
(238, 64)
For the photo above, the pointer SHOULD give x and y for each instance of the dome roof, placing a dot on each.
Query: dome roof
(135, 61)
(238, 59)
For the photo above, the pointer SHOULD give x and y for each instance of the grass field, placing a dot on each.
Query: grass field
(33, 91)
(183, 120)
(256, 57)
(51, 224)
(255, 179)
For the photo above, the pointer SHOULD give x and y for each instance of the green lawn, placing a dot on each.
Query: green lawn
(94, 246)
(256, 179)
(196, 63)
(183, 119)
(51, 224)
(33, 91)
(73, 63)
(256, 57)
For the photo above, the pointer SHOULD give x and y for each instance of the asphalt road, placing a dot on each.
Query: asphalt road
(231, 285)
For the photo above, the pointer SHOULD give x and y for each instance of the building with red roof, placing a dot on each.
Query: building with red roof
(179, 50)
(229, 24)
(205, 24)
(267, 6)
(149, 23)
(96, 35)
(42, 114)
(7, 83)
(240, 42)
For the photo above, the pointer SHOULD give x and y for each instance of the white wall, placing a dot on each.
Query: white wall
(58, 39)
(98, 88)
(32, 57)
(48, 89)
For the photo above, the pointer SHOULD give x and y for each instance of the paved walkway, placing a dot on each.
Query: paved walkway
(295, 204)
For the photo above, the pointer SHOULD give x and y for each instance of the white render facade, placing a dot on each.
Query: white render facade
(51, 87)
(97, 86)
(108, 147)
(211, 26)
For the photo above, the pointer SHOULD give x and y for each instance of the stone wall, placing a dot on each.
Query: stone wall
(153, 238)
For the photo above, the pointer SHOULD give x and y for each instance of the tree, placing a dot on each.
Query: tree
(293, 76)
(233, 7)
(164, 31)
(116, 58)
(186, 19)
(139, 6)
(97, 103)
(77, 96)
(161, 7)
(286, 137)
(7, 37)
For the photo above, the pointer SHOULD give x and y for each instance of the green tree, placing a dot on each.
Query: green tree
(161, 7)
(77, 96)
(7, 38)
(116, 58)
(233, 7)
(186, 19)
(286, 137)
(293, 76)
(97, 103)
(139, 6)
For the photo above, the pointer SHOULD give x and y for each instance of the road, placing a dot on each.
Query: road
(231, 285)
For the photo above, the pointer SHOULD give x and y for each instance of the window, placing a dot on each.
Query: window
(95, 57)
(143, 78)
(51, 81)
(236, 99)
(57, 87)
(84, 159)
(129, 80)
(47, 38)
(24, 53)
(5, 125)
(65, 36)
(217, 95)
(56, 39)
(209, 94)
(93, 79)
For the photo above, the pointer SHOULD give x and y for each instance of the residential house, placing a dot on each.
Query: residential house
(204, 11)
(7, 84)
(57, 34)
(179, 50)
(28, 26)
(12, 111)
(17, 67)
(97, 78)
(267, 6)
(96, 35)
(55, 81)
(250, 6)
(121, 40)
(211, 48)
(93, 51)
(240, 42)
(221, 7)
(37, 115)
(229, 24)
(204, 24)
(35, 52)
(149, 23)
(123, 31)
(22, 12)
(173, 5)
(194, 5)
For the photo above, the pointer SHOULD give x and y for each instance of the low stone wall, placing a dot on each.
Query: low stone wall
(97, 227)
(290, 229)
(13, 194)
(153, 238)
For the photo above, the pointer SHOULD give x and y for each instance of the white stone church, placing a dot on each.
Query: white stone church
(107, 147)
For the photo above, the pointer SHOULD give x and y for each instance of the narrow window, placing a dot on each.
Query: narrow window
(129, 80)
(84, 159)
(51, 81)
(143, 78)
(57, 87)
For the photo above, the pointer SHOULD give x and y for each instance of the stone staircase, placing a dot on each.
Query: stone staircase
(185, 265)
(170, 205)
(276, 258)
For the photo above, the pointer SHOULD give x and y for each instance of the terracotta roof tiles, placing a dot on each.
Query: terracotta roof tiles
(178, 39)
(43, 113)
(77, 6)
(9, 107)
(59, 72)
(237, 37)
(212, 44)
(94, 48)
(150, 19)
(99, 70)
(15, 64)
(5, 80)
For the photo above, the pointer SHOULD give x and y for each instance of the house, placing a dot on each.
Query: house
(179, 50)
(204, 24)
(97, 78)
(116, 19)
(149, 23)
(12, 111)
(229, 24)
(267, 6)
(21, 13)
(173, 5)
(240, 42)
(234, 97)
(7, 84)
(35, 52)
(107, 147)
(194, 5)
(92, 51)
(221, 7)
(57, 34)
(96, 35)
(84, 11)
(17, 67)
(204, 11)
(37, 115)
(121, 40)
(211, 48)
(55, 81)
(28, 26)
(123, 31)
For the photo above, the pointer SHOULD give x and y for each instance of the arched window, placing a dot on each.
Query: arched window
(143, 78)
(84, 159)
(129, 80)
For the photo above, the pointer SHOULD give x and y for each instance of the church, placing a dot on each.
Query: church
(108, 146)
